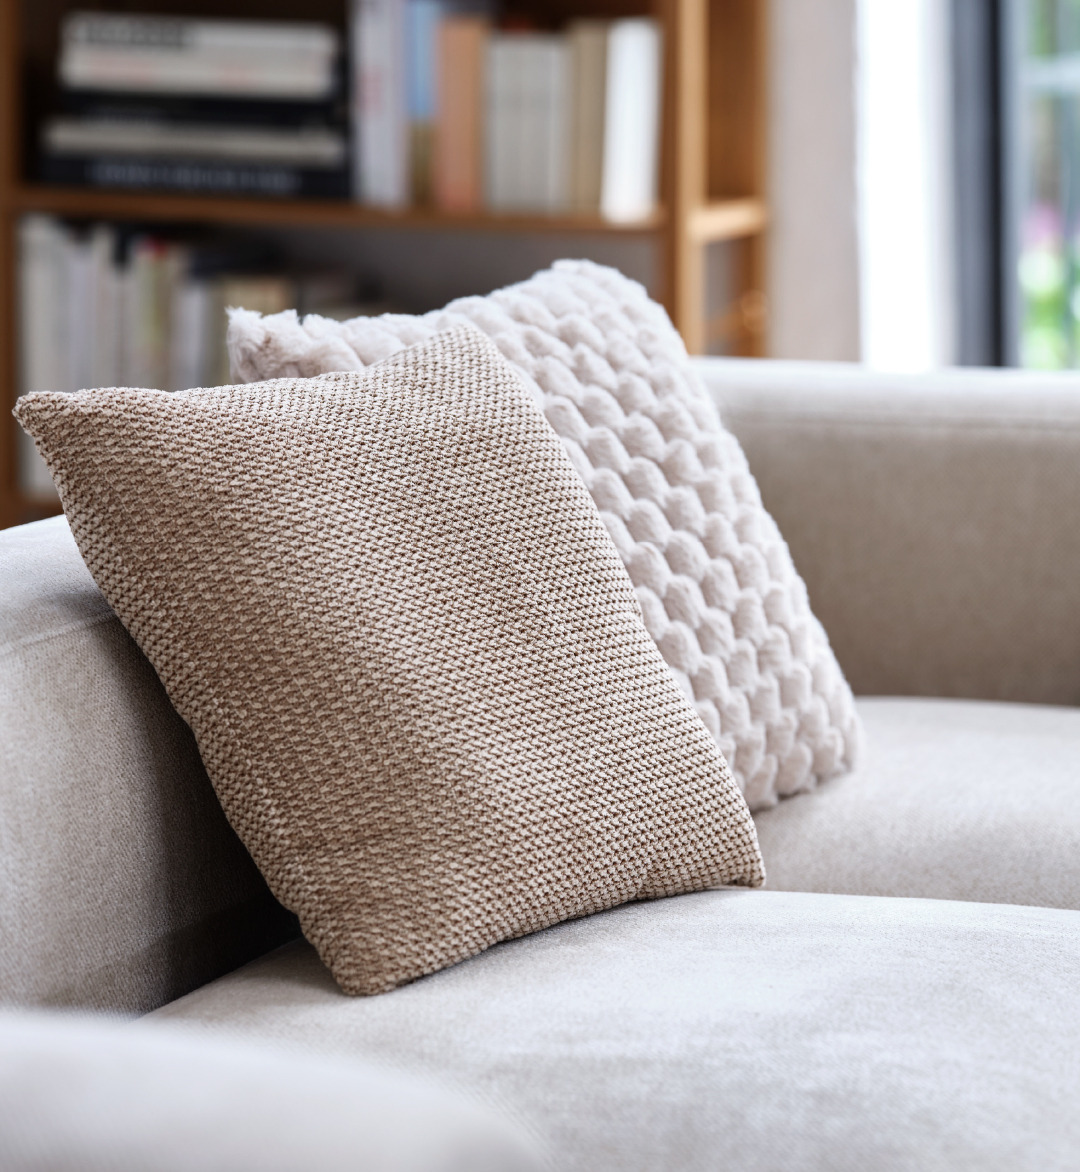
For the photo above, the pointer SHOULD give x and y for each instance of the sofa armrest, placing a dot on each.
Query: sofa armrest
(121, 884)
(935, 518)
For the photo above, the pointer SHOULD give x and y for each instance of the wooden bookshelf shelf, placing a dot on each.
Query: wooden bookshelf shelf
(727, 219)
(126, 205)
(712, 171)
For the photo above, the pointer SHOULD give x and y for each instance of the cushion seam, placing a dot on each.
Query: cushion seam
(56, 633)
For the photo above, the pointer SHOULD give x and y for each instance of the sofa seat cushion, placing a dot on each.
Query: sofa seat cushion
(953, 799)
(733, 1029)
(82, 1094)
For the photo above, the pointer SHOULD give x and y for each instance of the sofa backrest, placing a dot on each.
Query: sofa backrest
(935, 518)
(121, 884)
(937, 524)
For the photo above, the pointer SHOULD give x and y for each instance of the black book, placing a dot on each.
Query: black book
(207, 178)
(183, 108)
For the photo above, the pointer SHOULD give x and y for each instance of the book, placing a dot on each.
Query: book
(198, 318)
(42, 272)
(547, 157)
(66, 319)
(202, 109)
(160, 54)
(153, 265)
(108, 306)
(527, 134)
(629, 185)
(196, 176)
(215, 106)
(103, 359)
(79, 313)
(380, 123)
(298, 147)
(193, 323)
(500, 91)
(588, 74)
(458, 147)
(423, 18)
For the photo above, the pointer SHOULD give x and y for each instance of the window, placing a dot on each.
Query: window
(1041, 76)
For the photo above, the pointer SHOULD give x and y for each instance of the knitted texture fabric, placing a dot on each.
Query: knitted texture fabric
(714, 578)
(413, 662)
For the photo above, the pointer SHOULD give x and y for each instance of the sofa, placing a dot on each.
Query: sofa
(903, 994)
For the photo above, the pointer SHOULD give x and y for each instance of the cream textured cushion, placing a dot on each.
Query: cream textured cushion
(715, 580)
(413, 663)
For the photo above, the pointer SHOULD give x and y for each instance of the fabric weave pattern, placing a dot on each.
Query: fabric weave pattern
(719, 591)
(414, 665)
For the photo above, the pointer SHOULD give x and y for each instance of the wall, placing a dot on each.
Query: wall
(813, 253)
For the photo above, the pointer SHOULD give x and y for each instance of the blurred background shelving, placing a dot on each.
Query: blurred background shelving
(700, 250)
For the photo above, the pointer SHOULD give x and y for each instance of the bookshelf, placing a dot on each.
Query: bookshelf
(712, 171)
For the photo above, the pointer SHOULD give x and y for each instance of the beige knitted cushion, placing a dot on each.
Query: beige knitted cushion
(714, 577)
(413, 662)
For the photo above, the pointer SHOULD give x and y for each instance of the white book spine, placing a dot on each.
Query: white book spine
(126, 320)
(167, 55)
(383, 156)
(304, 147)
(189, 343)
(495, 116)
(172, 34)
(79, 320)
(554, 139)
(528, 182)
(141, 314)
(632, 121)
(108, 70)
(174, 267)
(41, 307)
(44, 304)
(528, 123)
(102, 361)
(588, 49)
(517, 129)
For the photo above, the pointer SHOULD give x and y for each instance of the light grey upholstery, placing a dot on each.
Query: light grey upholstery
(121, 884)
(936, 524)
(935, 519)
(81, 1095)
(734, 1030)
(953, 799)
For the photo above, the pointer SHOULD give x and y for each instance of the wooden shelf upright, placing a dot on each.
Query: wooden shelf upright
(712, 172)
(11, 504)
(714, 164)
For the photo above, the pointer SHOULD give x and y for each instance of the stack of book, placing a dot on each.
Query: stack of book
(215, 106)
(114, 306)
(452, 110)
(447, 108)
(107, 305)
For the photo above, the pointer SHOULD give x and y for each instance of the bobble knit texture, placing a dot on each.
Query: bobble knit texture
(714, 578)
(411, 657)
